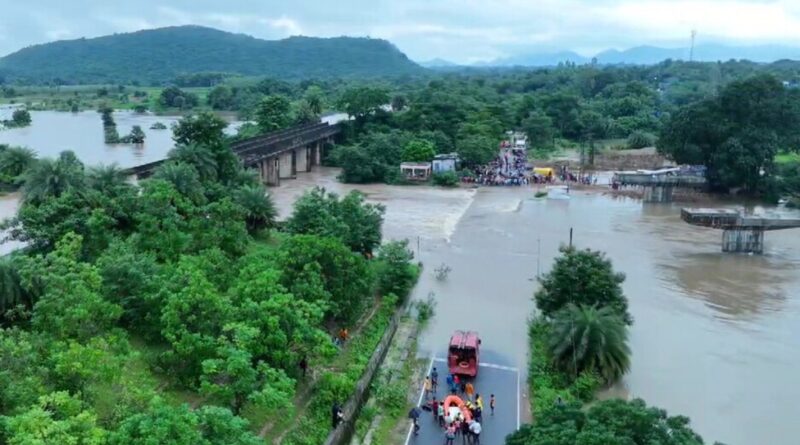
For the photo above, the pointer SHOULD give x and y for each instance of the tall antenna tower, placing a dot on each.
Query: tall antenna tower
(691, 48)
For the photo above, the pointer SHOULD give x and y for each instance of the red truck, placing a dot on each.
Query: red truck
(463, 353)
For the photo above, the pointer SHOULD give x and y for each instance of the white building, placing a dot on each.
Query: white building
(445, 163)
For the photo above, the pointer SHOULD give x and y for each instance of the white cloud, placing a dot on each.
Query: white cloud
(285, 24)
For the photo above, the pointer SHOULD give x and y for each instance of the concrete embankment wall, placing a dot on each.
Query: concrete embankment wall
(344, 433)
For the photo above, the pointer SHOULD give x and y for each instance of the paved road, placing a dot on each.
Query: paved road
(493, 378)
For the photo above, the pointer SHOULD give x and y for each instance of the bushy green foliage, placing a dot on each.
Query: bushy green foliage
(446, 179)
(737, 133)
(586, 338)
(582, 277)
(607, 422)
(273, 113)
(352, 220)
(174, 97)
(640, 139)
(418, 151)
(396, 273)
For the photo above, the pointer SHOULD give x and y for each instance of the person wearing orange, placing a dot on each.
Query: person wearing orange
(469, 390)
(343, 335)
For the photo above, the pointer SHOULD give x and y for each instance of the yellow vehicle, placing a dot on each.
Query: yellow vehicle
(544, 171)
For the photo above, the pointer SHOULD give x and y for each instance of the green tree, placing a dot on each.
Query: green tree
(219, 426)
(476, 150)
(539, 129)
(15, 161)
(399, 102)
(612, 422)
(582, 277)
(137, 135)
(396, 274)
(174, 97)
(52, 178)
(273, 113)
(585, 338)
(183, 178)
(735, 134)
(70, 305)
(419, 151)
(221, 98)
(198, 156)
(58, 418)
(161, 424)
(20, 118)
(203, 129)
(351, 219)
(360, 102)
(315, 99)
(345, 274)
(192, 319)
(12, 294)
(258, 206)
(111, 180)
(304, 114)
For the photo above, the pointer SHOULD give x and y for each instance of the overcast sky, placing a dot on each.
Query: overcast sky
(457, 30)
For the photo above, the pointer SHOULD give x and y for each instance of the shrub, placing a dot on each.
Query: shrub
(446, 179)
(640, 139)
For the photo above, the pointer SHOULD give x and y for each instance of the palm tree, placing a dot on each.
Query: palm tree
(11, 292)
(48, 178)
(184, 177)
(198, 156)
(14, 161)
(587, 338)
(259, 208)
(107, 179)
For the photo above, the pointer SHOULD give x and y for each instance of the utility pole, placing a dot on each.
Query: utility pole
(691, 48)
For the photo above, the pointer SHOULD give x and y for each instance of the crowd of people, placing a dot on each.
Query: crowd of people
(465, 423)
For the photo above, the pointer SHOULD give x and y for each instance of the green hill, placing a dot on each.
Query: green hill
(159, 55)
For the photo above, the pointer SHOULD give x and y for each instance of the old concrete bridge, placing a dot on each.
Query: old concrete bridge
(659, 185)
(740, 233)
(278, 155)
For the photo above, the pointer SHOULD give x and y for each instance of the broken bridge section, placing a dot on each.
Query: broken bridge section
(740, 232)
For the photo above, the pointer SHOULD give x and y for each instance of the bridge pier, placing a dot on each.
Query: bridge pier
(658, 193)
(269, 170)
(743, 240)
(301, 156)
(286, 165)
(316, 151)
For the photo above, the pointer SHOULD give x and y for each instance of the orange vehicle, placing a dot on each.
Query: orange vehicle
(452, 401)
(464, 353)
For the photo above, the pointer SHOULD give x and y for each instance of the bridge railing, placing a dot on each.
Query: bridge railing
(274, 136)
(645, 179)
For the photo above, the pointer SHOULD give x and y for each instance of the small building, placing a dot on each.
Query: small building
(445, 163)
(416, 171)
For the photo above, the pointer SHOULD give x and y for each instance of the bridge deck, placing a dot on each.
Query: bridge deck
(733, 219)
(253, 149)
(660, 180)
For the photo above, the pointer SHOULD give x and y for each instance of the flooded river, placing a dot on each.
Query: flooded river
(716, 336)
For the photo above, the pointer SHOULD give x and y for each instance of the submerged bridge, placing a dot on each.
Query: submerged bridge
(740, 233)
(278, 155)
(659, 185)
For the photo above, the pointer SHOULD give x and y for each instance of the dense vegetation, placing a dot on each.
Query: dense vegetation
(173, 312)
(578, 342)
(159, 55)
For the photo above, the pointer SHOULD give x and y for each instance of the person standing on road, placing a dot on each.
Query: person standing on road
(434, 379)
(469, 390)
(465, 434)
(440, 413)
(475, 430)
(450, 382)
(491, 403)
(414, 416)
(427, 386)
(479, 401)
(450, 435)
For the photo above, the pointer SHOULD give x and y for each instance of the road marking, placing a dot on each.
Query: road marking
(518, 392)
(487, 365)
(419, 400)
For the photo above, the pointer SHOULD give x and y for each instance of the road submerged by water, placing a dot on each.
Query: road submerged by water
(715, 335)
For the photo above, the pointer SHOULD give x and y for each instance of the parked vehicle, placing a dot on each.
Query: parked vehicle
(464, 353)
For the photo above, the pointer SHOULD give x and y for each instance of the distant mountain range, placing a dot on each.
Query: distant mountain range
(159, 55)
(645, 55)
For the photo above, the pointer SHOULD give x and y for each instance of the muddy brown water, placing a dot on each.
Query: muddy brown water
(716, 336)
